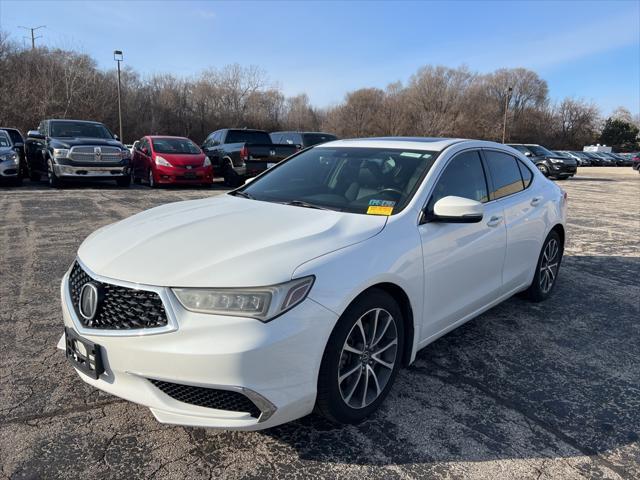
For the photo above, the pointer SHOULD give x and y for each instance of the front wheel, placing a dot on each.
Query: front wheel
(151, 179)
(361, 359)
(547, 268)
(543, 169)
(54, 181)
(124, 181)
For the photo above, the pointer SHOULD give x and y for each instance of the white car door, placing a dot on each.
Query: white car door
(462, 261)
(523, 206)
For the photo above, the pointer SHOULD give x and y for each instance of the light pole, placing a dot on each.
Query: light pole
(118, 57)
(506, 108)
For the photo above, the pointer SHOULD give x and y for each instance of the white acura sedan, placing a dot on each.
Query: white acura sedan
(309, 287)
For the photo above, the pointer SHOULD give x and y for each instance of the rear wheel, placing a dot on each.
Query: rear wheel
(361, 359)
(547, 268)
(231, 177)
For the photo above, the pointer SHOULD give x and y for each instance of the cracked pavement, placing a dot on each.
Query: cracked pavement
(548, 390)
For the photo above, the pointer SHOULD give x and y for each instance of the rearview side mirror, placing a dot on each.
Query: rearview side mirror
(35, 134)
(527, 154)
(453, 209)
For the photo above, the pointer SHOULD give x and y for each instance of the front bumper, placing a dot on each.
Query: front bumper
(562, 169)
(9, 169)
(181, 175)
(92, 171)
(275, 364)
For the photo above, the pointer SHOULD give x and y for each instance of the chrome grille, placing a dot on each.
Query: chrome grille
(89, 154)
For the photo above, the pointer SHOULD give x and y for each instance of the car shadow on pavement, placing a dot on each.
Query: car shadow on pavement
(524, 380)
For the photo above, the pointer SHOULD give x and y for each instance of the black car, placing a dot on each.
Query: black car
(65, 150)
(302, 139)
(550, 164)
(595, 159)
(18, 144)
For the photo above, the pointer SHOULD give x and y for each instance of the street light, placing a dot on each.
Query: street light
(506, 108)
(118, 57)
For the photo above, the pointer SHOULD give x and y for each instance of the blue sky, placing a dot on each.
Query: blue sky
(589, 50)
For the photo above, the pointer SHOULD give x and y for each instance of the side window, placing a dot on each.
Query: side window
(218, 137)
(276, 137)
(463, 177)
(527, 176)
(41, 128)
(504, 173)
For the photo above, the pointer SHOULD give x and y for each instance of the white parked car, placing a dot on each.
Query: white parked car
(310, 286)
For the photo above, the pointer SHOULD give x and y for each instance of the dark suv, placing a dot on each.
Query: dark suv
(302, 139)
(549, 163)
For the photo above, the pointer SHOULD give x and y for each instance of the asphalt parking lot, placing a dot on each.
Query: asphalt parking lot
(524, 391)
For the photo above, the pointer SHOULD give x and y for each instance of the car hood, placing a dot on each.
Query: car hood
(5, 150)
(223, 241)
(65, 142)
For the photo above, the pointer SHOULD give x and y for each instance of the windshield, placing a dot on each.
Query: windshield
(4, 139)
(345, 179)
(247, 136)
(562, 154)
(79, 129)
(175, 145)
(310, 139)
(581, 155)
(540, 151)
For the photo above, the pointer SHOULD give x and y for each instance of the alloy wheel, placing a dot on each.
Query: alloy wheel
(549, 265)
(152, 183)
(368, 358)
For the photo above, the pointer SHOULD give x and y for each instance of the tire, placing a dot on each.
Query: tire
(539, 289)
(124, 181)
(134, 179)
(353, 399)
(543, 169)
(231, 178)
(54, 181)
(151, 180)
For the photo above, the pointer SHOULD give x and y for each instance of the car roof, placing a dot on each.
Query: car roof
(164, 136)
(416, 143)
(73, 120)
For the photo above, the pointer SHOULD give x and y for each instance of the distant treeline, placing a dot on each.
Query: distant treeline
(435, 101)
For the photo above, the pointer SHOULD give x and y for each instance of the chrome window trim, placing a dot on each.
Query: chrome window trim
(163, 292)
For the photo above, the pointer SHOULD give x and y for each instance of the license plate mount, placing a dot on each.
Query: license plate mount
(83, 354)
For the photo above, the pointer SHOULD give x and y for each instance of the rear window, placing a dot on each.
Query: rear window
(248, 136)
(310, 139)
(4, 139)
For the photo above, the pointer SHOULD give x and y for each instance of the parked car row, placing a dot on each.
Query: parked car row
(63, 150)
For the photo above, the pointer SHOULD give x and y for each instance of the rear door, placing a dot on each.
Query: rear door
(513, 188)
(462, 261)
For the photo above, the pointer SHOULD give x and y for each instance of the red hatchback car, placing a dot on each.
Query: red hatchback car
(161, 160)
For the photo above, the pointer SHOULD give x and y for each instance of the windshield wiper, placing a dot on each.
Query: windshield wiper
(300, 203)
(243, 195)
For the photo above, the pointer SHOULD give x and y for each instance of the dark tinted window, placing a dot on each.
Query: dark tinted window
(521, 148)
(527, 176)
(463, 177)
(316, 138)
(540, 151)
(504, 173)
(15, 136)
(174, 145)
(247, 136)
(4, 139)
(276, 137)
(72, 129)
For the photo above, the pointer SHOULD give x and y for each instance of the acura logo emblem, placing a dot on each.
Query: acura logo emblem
(88, 304)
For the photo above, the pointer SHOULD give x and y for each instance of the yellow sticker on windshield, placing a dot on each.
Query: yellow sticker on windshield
(379, 210)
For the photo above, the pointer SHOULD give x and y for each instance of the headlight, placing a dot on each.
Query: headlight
(60, 153)
(555, 160)
(261, 303)
(163, 162)
(9, 157)
(206, 162)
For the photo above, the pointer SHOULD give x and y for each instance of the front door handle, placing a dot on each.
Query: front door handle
(535, 201)
(494, 221)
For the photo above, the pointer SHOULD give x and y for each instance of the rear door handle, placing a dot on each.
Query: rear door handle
(535, 201)
(494, 221)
